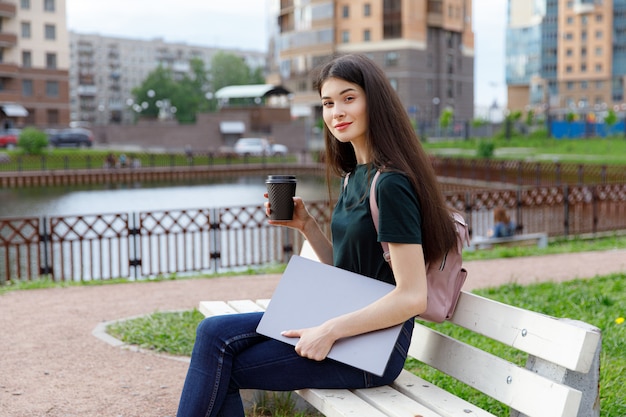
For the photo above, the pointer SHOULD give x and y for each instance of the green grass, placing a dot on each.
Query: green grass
(594, 150)
(74, 158)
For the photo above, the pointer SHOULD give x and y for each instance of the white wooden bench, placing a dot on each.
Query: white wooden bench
(539, 239)
(560, 378)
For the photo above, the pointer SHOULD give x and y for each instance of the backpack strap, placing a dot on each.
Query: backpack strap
(374, 210)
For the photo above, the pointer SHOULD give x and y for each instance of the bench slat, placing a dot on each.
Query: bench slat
(435, 398)
(393, 403)
(512, 385)
(338, 403)
(554, 340)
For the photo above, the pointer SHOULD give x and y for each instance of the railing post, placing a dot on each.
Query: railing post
(565, 210)
(44, 238)
(214, 238)
(538, 174)
(581, 171)
(134, 235)
(557, 173)
(603, 174)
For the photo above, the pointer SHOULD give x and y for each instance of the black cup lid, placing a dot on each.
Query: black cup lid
(281, 178)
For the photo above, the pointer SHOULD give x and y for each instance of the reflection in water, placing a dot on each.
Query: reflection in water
(79, 200)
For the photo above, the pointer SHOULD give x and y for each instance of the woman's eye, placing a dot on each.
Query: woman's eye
(349, 98)
(327, 103)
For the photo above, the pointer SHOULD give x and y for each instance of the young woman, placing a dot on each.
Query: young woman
(366, 129)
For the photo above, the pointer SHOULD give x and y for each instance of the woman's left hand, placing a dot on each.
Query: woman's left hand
(314, 343)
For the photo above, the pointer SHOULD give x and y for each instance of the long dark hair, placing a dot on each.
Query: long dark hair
(393, 146)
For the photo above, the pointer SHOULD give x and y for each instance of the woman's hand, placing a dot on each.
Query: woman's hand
(300, 215)
(314, 343)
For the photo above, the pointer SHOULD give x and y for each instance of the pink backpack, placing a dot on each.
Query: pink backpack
(444, 278)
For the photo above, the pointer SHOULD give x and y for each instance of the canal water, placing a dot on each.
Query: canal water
(84, 200)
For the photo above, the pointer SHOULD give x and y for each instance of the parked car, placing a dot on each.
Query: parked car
(9, 137)
(71, 137)
(278, 149)
(252, 147)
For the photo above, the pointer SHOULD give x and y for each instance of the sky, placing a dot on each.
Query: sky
(243, 24)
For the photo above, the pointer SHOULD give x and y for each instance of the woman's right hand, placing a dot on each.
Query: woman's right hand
(300, 215)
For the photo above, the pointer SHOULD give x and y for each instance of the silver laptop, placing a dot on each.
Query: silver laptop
(310, 292)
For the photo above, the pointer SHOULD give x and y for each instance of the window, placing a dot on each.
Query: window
(583, 67)
(598, 67)
(599, 85)
(48, 5)
(568, 68)
(391, 59)
(367, 35)
(51, 32)
(367, 10)
(583, 35)
(570, 20)
(570, 85)
(51, 61)
(25, 30)
(598, 34)
(569, 52)
(27, 59)
(345, 12)
(52, 89)
(569, 36)
(24, 4)
(53, 116)
(345, 36)
(583, 85)
(27, 88)
(599, 51)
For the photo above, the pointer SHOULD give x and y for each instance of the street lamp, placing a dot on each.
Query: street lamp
(436, 102)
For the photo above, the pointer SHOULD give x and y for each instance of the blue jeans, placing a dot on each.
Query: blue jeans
(229, 355)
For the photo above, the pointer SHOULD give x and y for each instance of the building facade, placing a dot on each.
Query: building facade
(34, 63)
(426, 47)
(105, 70)
(566, 56)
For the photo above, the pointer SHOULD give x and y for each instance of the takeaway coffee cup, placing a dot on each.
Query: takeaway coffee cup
(280, 192)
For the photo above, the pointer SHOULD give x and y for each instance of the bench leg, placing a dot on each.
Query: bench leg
(587, 383)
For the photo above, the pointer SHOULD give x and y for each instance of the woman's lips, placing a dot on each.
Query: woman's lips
(342, 126)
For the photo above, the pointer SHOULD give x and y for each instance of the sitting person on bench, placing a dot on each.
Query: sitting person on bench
(504, 226)
(366, 129)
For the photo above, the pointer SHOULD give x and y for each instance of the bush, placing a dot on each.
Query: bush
(32, 141)
(485, 149)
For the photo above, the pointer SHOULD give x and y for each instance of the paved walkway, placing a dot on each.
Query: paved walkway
(52, 365)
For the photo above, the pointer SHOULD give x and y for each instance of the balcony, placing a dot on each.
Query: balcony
(8, 70)
(87, 90)
(7, 9)
(8, 40)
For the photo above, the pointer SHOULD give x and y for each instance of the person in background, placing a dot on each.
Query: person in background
(503, 225)
(366, 129)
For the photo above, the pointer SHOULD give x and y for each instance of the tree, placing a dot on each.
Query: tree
(159, 85)
(230, 69)
(191, 93)
(446, 118)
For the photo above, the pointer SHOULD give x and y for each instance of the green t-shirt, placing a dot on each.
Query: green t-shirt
(356, 247)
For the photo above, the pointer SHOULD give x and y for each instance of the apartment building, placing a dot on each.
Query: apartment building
(566, 56)
(34, 63)
(426, 47)
(105, 70)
